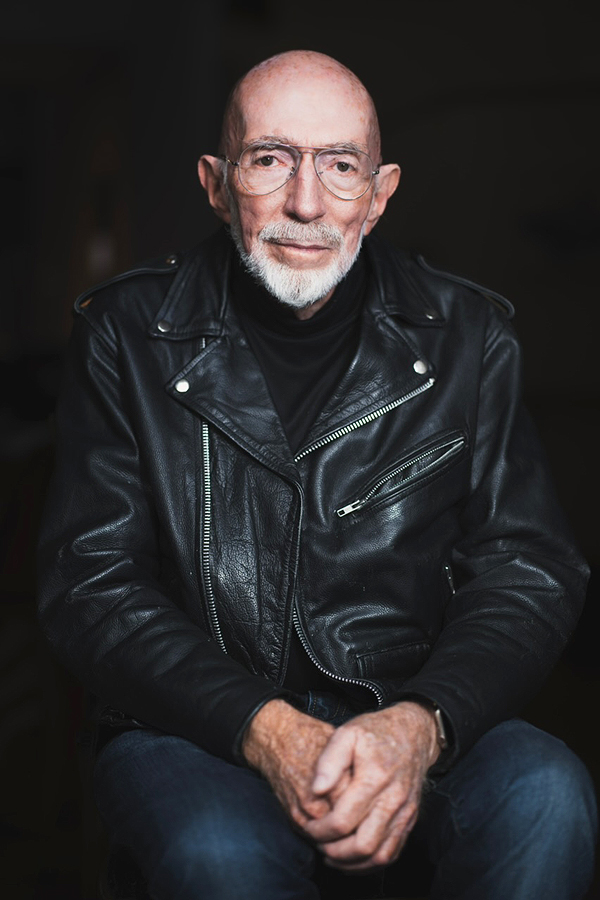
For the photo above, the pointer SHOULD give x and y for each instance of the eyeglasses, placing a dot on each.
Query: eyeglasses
(264, 168)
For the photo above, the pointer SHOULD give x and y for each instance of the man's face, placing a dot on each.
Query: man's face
(301, 230)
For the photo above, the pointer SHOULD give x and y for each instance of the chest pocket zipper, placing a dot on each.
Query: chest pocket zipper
(411, 470)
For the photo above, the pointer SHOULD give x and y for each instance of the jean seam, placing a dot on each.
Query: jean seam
(454, 812)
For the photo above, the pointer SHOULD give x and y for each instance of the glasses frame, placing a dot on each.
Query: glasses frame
(301, 151)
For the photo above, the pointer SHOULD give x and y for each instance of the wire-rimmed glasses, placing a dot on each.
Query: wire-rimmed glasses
(345, 172)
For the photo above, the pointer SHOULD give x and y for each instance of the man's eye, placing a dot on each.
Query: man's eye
(340, 163)
(265, 161)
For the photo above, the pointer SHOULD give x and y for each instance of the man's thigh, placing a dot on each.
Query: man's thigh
(515, 817)
(192, 819)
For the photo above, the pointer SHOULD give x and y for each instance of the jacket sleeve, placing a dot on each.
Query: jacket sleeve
(102, 597)
(519, 579)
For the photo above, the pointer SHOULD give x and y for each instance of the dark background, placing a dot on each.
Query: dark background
(492, 111)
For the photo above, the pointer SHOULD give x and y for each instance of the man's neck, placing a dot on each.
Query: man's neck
(307, 312)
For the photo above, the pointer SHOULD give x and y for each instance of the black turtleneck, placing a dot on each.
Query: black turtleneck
(302, 362)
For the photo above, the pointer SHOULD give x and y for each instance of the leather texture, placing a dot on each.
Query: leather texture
(415, 538)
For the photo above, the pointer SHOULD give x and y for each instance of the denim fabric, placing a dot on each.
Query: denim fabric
(329, 707)
(515, 818)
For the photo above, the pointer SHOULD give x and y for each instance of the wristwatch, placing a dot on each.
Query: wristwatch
(431, 705)
(439, 724)
(442, 737)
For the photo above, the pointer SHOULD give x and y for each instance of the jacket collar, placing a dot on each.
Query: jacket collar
(400, 294)
(196, 303)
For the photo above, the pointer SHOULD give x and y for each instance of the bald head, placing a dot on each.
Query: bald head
(304, 72)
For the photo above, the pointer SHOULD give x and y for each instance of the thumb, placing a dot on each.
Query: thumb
(334, 761)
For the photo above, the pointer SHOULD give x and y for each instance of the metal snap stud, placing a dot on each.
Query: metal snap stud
(182, 386)
(420, 366)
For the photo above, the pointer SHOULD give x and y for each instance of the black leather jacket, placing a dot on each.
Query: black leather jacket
(414, 542)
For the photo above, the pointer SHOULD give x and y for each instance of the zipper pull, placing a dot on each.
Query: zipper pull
(352, 507)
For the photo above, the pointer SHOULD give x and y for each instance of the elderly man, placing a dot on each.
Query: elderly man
(302, 544)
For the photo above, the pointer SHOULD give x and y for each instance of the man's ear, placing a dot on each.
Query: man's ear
(387, 182)
(210, 173)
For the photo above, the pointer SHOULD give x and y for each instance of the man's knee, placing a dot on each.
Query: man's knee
(229, 860)
(557, 784)
(545, 783)
(516, 817)
(197, 825)
(519, 784)
(198, 855)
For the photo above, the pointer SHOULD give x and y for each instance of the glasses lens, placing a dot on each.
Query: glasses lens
(265, 167)
(346, 173)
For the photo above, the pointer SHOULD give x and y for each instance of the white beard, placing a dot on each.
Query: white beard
(297, 288)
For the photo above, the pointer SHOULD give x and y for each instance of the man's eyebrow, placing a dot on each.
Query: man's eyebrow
(269, 139)
(284, 139)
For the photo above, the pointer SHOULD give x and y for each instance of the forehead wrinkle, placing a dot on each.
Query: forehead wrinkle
(287, 66)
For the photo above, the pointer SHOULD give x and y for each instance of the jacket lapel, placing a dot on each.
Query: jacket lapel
(224, 384)
(385, 369)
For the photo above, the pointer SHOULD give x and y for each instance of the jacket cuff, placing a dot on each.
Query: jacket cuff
(275, 693)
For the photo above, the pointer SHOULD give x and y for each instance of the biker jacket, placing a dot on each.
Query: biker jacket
(414, 541)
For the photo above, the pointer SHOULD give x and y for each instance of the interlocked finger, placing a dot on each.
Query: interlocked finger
(377, 842)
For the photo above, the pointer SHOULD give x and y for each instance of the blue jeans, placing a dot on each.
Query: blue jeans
(515, 819)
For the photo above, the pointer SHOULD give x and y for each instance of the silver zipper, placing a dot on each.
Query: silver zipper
(358, 504)
(206, 520)
(340, 678)
(365, 420)
(322, 442)
(450, 578)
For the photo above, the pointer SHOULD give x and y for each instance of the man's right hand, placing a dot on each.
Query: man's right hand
(284, 745)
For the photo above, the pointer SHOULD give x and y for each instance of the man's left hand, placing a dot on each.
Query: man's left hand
(385, 756)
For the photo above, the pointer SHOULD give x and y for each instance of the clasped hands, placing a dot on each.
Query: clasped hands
(355, 790)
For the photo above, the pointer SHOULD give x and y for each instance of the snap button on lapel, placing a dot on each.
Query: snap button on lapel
(182, 386)
(164, 326)
(420, 366)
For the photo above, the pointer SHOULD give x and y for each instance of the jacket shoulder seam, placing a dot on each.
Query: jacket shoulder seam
(497, 299)
(169, 265)
(102, 337)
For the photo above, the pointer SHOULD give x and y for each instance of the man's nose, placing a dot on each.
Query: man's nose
(305, 199)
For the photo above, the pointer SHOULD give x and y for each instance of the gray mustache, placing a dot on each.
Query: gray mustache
(311, 232)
